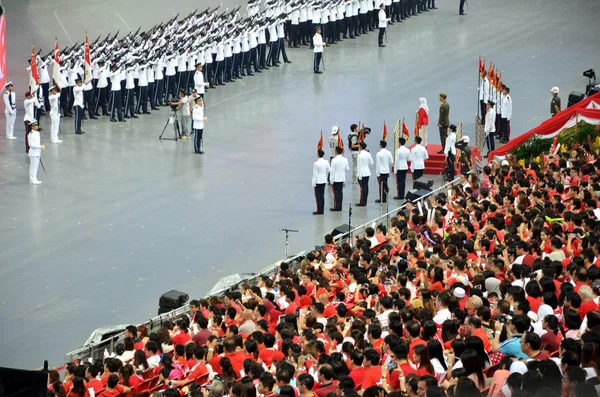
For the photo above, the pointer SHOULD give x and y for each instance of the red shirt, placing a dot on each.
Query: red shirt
(413, 344)
(534, 303)
(393, 378)
(480, 333)
(134, 380)
(94, 384)
(372, 377)
(181, 338)
(542, 355)
(114, 393)
(324, 390)
(199, 369)
(329, 311)
(267, 356)
(586, 307)
(423, 117)
(357, 375)
(291, 309)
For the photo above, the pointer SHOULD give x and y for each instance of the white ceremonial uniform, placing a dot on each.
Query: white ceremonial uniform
(363, 163)
(384, 162)
(506, 107)
(198, 116)
(490, 121)
(484, 90)
(35, 152)
(450, 144)
(78, 96)
(418, 155)
(115, 81)
(10, 112)
(199, 83)
(318, 43)
(339, 166)
(383, 20)
(54, 117)
(29, 104)
(402, 158)
(320, 170)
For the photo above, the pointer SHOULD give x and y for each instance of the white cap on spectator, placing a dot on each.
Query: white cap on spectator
(459, 292)
(504, 162)
(334, 129)
(554, 90)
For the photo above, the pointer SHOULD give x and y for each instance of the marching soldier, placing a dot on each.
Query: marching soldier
(364, 163)
(402, 159)
(320, 170)
(199, 84)
(10, 110)
(384, 162)
(115, 90)
(29, 104)
(339, 166)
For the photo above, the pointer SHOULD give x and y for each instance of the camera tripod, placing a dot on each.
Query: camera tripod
(172, 118)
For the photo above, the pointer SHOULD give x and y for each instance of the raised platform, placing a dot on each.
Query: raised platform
(436, 162)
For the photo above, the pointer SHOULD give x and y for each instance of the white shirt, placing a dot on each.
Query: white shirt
(142, 77)
(418, 155)
(153, 361)
(10, 106)
(402, 158)
(506, 108)
(280, 30)
(339, 166)
(171, 63)
(129, 79)
(181, 63)
(115, 81)
(384, 161)
(383, 20)
(43, 69)
(28, 104)
(442, 315)
(35, 145)
(54, 106)
(363, 163)
(490, 121)
(199, 83)
(262, 38)
(320, 170)
(318, 43)
(450, 144)
(484, 90)
(198, 116)
(78, 96)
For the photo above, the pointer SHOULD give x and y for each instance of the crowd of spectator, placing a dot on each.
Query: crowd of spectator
(491, 289)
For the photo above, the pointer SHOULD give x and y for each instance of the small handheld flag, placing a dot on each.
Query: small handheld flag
(385, 134)
(320, 144)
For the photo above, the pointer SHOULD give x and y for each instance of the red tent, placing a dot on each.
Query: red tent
(587, 110)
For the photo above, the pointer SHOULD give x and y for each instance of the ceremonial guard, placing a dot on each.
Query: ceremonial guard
(78, 103)
(443, 120)
(383, 165)
(115, 90)
(130, 92)
(418, 155)
(506, 106)
(401, 166)
(54, 99)
(10, 110)
(29, 104)
(198, 123)
(88, 100)
(484, 93)
(142, 102)
(199, 84)
(450, 151)
(339, 166)
(318, 50)
(319, 180)
(490, 126)
(364, 162)
(44, 80)
(159, 83)
(383, 21)
(35, 152)
(353, 144)
(101, 88)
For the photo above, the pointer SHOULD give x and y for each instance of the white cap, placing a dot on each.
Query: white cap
(335, 129)
(504, 162)
(465, 139)
(459, 292)
(7, 84)
(554, 90)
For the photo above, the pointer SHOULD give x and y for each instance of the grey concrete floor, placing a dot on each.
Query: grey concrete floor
(121, 217)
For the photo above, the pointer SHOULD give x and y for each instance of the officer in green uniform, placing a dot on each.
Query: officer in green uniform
(555, 106)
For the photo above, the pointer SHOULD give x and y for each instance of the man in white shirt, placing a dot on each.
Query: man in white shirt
(35, 152)
(319, 180)
(402, 159)
(418, 155)
(281, 44)
(184, 114)
(363, 163)
(101, 90)
(318, 50)
(506, 115)
(490, 126)
(273, 42)
(10, 110)
(129, 91)
(115, 91)
(484, 93)
(383, 165)
(450, 151)
(53, 99)
(29, 103)
(142, 89)
(198, 124)
(199, 84)
(383, 21)
(339, 166)
(78, 104)
(443, 313)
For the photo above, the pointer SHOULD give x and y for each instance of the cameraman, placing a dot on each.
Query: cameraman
(184, 113)
(465, 155)
(354, 148)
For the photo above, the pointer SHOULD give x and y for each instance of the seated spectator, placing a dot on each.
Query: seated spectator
(326, 385)
(531, 345)
(572, 376)
(113, 388)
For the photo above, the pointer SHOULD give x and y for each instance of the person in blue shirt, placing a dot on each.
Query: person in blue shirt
(515, 327)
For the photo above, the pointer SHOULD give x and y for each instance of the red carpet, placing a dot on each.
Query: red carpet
(436, 162)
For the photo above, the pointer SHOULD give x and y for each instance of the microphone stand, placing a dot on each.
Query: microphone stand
(287, 236)
(350, 223)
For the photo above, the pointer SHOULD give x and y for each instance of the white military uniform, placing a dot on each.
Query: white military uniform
(10, 112)
(418, 155)
(35, 152)
(54, 117)
(402, 158)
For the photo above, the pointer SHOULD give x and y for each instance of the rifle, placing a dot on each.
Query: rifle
(38, 53)
(116, 34)
(96, 41)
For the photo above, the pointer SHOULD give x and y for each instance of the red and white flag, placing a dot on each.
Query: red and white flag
(56, 66)
(88, 62)
(34, 79)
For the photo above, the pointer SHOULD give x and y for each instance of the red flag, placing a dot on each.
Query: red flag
(361, 134)
(481, 65)
(417, 124)
(34, 78)
(405, 132)
(320, 144)
(340, 141)
(499, 86)
(88, 62)
(385, 134)
(554, 144)
(56, 66)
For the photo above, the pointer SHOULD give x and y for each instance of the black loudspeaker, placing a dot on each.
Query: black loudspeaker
(423, 183)
(575, 97)
(592, 89)
(345, 228)
(416, 194)
(23, 383)
(172, 299)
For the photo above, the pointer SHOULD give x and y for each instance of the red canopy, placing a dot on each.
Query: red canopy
(587, 110)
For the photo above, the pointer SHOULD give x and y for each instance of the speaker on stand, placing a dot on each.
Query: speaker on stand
(171, 300)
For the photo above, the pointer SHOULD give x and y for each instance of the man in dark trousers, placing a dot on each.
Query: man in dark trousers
(339, 166)
(383, 21)
(461, 8)
(443, 120)
(319, 180)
